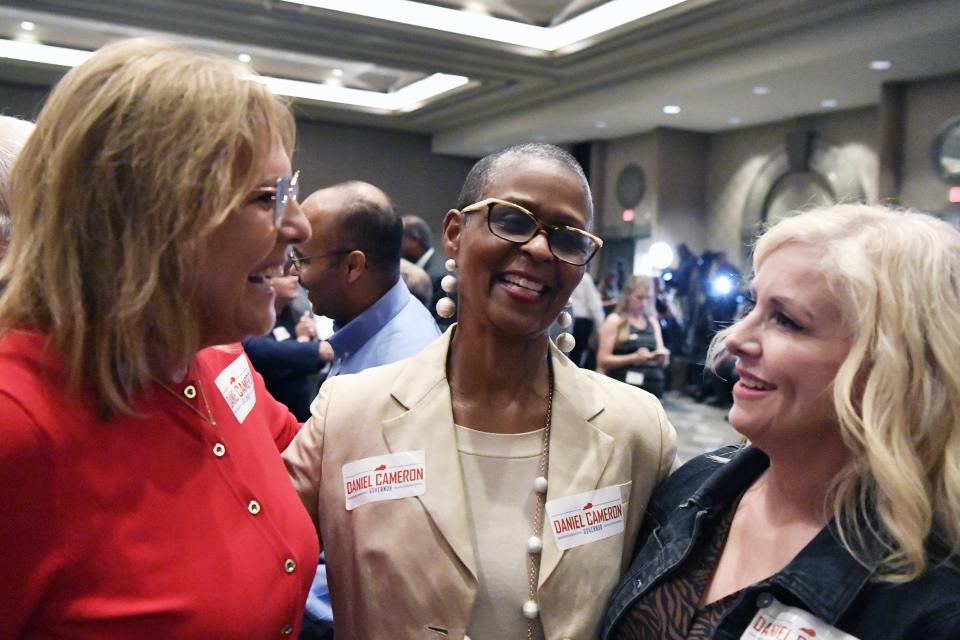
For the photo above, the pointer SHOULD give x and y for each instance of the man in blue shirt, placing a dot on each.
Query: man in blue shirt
(350, 268)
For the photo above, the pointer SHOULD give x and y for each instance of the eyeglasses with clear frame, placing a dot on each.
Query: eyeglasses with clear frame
(296, 262)
(511, 222)
(287, 189)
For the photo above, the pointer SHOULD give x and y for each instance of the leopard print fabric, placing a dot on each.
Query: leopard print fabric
(671, 611)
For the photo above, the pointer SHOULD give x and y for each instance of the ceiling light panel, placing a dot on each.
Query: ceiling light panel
(362, 85)
(588, 25)
(42, 53)
(405, 99)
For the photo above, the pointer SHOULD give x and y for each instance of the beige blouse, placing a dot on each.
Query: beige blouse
(498, 473)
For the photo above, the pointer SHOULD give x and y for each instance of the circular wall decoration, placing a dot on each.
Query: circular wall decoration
(946, 151)
(826, 176)
(631, 185)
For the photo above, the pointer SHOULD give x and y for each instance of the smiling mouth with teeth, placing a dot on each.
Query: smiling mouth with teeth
(756, 384)
(524, 283)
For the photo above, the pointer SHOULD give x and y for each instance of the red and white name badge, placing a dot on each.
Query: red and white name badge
(387, 477)
(236, 384)
(586, 517)
(777, 621)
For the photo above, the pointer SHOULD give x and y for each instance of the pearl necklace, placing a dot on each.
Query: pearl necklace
(531, 610)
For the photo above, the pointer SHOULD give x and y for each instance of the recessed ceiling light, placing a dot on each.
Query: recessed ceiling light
(244, 57)
(829, 103)
(761, 90)
(26, 25)
(600, 124)
(337, 73)
(671, 109)
(880, 65)
(735, 120)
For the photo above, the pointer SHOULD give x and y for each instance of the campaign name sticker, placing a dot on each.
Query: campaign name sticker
(777, 621)
(387, 477)
(586, 517)
(236, 385)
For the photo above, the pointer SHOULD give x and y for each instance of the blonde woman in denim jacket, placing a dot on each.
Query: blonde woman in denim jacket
(840, 520)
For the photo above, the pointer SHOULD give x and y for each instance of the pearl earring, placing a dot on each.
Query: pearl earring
(565, 341)
(446, 307)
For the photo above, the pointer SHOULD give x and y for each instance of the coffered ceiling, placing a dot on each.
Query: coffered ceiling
(480, 74)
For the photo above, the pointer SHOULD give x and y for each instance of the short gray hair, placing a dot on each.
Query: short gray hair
(13, 134)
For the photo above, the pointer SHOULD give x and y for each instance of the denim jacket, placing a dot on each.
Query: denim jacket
(823, 579)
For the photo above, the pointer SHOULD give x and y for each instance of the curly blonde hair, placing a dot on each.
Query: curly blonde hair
(896, 274)
(138, 155)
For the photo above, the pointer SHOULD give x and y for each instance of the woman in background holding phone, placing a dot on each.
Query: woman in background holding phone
(631, 344)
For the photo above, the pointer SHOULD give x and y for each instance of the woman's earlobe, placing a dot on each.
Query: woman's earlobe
(452, 228)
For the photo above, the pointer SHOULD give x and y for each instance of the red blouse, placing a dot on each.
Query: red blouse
(164, 525)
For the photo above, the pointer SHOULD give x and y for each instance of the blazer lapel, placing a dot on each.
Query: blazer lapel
(578, 450)
(428, 425)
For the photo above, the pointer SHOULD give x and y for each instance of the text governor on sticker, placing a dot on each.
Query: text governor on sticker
(386, 477)
(586, 517)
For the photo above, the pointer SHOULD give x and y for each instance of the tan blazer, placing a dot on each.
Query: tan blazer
(406, 568)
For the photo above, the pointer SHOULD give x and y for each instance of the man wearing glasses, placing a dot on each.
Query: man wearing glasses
(350, 268)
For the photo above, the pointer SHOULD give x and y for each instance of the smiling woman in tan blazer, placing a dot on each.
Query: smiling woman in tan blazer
(486, 487)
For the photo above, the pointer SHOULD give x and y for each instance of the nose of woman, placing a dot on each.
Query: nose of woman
(538, 247)
(294, 226)
(741, 340)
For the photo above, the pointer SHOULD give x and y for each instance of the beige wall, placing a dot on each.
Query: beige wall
(735, 160)
(731, 162)
(641, 150)
(418, 181)
(672, 209)
(681, 186)
(927, 106)
(697, 184)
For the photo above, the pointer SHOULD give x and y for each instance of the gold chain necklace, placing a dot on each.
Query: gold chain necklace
(531, 609)
(209, 415)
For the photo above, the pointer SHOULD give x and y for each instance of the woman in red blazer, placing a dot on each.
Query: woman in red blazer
(139, 465)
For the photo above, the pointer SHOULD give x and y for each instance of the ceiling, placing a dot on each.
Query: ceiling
(710, 58)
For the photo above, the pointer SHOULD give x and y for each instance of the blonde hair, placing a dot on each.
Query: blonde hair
(896, 274)
(632, 285)
(138, 155)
